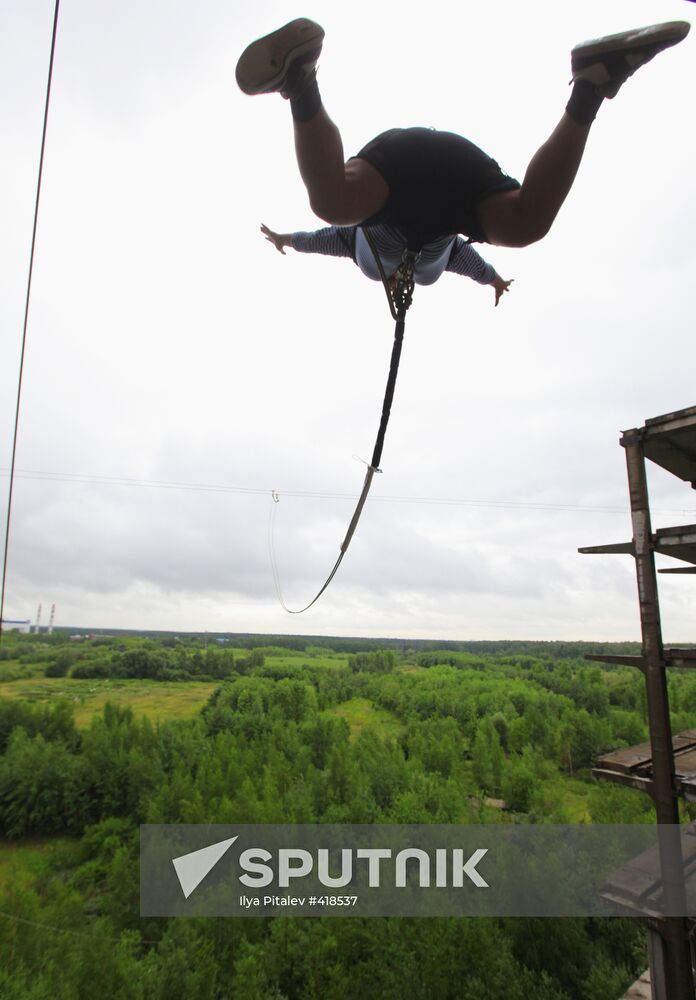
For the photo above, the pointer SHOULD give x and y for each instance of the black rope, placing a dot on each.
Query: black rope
(26, 317)
(400, 299)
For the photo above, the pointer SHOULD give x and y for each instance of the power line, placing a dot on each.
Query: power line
(504, 504)
(26, 314)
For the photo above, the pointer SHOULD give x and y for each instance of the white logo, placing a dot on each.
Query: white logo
(192, 868)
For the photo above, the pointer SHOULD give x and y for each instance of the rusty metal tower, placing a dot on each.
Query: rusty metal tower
(664, 768)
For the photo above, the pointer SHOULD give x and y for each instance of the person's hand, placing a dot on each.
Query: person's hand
(279, 240)
(500, 286)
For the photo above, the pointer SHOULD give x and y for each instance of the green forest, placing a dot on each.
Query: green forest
(105, 732)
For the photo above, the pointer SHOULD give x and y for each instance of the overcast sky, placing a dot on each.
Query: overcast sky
(178, 369)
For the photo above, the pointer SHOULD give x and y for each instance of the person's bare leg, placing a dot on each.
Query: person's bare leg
(285, 62)
(343, 194)
(518, 218)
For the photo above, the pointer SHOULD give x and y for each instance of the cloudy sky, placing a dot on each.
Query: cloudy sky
(178, 369)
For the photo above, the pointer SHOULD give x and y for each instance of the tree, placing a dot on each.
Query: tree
(487, 757)
(518, 785)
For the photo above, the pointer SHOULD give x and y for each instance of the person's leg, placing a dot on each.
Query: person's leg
(340, 193)
(518, 218)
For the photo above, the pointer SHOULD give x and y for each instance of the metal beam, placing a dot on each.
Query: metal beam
(618, 548)
(627, 661)
(684, 658)
(628, 780)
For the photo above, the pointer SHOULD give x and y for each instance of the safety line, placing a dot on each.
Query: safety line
(6, 545)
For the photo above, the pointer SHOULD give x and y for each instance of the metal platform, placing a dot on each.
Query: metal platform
(679, 542)
(670, 442)
(637, 886)
(632, 766)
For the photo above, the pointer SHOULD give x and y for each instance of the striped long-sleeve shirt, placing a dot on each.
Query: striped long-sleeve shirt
(448, 253)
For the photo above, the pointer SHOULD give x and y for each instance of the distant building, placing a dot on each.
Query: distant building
(13, 625)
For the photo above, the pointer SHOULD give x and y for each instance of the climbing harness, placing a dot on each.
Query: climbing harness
(399, 295)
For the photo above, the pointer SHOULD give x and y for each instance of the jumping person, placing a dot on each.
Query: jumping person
(422, 184)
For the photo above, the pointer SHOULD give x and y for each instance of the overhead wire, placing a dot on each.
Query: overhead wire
(6, 544)
(62, 930)
(502, 503)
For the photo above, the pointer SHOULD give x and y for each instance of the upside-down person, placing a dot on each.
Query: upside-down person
(419, 188)
(447, 253)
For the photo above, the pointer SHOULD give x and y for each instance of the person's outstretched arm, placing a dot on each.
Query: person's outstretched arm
(334, 241)
(466, 261)
(279, 240)
(500, 286)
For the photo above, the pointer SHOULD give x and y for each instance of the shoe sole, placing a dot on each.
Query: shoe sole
(263, 64)
(669, 33)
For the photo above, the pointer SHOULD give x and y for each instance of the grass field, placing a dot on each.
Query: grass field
(158, 700)
(360, 713)
(24, 862)
(11, 670)
(569, 797)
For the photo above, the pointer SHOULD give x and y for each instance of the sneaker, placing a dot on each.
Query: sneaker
(282, 61)
(608, 62)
